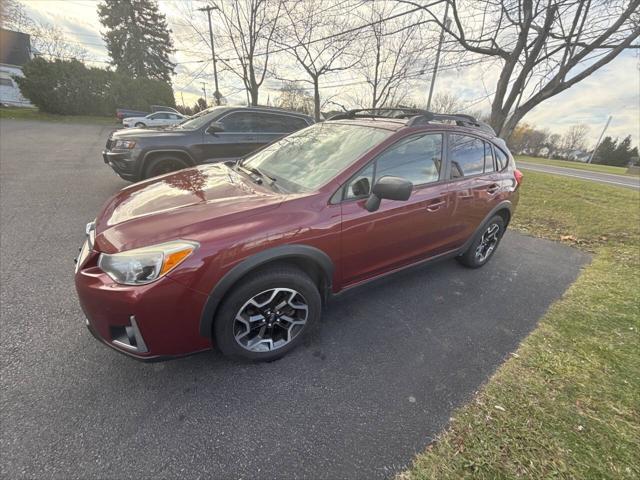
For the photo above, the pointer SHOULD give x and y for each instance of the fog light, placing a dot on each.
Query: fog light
(129, 337)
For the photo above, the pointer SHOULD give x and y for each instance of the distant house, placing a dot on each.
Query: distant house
(15, 51)
(578, 155)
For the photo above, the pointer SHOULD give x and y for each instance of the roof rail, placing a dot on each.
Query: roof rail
(416, 117)
(378, 113)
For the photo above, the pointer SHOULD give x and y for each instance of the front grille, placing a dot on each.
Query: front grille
(110, 144)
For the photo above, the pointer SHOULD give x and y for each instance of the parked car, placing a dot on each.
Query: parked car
(215, 134)
(244, 255)
(158, 119)
(122, 113)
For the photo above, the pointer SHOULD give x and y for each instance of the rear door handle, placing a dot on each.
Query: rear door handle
(493, 188)
(436, 204)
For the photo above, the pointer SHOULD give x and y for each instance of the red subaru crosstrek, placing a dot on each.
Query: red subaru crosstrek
(243, 255)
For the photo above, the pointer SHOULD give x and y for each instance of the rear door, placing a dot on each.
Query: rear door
(237, 139)
(398, 233)
(473, 184)
(271, 126)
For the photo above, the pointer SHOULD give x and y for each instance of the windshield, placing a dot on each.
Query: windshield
(311, 157)
(199, 119)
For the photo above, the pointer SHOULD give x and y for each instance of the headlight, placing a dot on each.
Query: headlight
(144, 265)
(128, 144)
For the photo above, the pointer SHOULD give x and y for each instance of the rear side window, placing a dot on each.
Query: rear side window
(489, 165)
(238, 122)
(275, 123)
(467, 156)
(501, 159)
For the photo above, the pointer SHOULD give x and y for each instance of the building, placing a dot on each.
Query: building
(15, 51)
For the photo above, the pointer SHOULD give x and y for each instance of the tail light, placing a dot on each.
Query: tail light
(518, 176)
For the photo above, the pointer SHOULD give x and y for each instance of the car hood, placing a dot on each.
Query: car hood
(148, 132)
(179, 205)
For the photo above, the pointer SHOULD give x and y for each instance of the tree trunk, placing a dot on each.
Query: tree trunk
(254, 91)
(316, 99)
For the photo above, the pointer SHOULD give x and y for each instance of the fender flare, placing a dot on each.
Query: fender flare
(284, 252)
(504, 205)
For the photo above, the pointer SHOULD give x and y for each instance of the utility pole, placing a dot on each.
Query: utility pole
(600, 139)
(446, 23)
(216, 94)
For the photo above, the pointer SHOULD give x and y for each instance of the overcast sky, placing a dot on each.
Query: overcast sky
(614, 89)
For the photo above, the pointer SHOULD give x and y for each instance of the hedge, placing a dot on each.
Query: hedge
(68, 87)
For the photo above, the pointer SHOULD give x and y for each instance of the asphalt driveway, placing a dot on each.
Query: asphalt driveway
(375, 385)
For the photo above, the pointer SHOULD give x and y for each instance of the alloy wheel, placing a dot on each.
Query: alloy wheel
(270, 320)
(488, 243)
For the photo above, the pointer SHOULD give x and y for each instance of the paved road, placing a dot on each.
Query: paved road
(374, 387)
(606, 178)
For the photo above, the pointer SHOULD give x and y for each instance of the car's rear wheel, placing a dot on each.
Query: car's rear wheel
(267, 314)
(140, 124)
(484, 243)
(163, 164)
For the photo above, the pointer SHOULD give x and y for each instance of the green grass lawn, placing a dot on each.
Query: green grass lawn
(594, 167)
(567, 403)
(16, 113)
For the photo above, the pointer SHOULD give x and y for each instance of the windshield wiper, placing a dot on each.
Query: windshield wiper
(271, 181)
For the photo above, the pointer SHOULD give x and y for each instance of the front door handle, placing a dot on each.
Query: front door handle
(436, 204)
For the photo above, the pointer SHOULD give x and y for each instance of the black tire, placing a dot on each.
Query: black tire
(163, 164)
(476, 256)
(278, 278)
(140, 124)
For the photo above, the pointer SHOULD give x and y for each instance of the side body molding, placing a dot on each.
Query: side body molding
(283, 252)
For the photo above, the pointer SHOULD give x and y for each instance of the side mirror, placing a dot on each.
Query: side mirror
(214, 127)
(391, 188)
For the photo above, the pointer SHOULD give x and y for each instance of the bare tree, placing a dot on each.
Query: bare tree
(50, 42)
(249, 28)
(446, 103)
(307, 32)
(294, 97)
(393, 55)
(544, 46)
(575, 138)
(47, 40)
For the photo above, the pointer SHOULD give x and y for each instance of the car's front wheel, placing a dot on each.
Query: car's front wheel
(484, 243)
(267, 314)
(163, 164)
(140, 125)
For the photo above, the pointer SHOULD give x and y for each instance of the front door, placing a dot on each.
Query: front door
(237, 139)
(398, 233)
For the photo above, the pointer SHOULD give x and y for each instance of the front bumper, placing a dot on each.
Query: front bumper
(160, 319)
(122, 162)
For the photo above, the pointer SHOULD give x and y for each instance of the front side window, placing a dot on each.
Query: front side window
(309, 158)
(467, 155)
(238, 122)
(417, 159)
